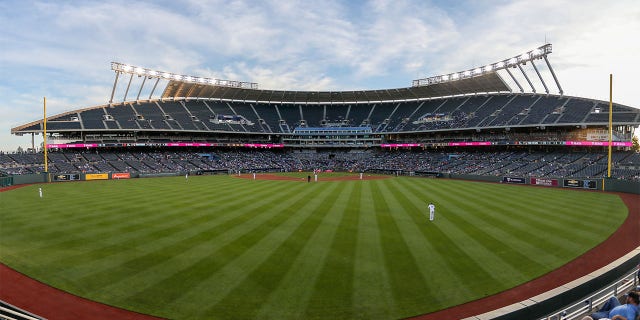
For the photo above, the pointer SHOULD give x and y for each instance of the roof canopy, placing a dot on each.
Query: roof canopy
(489, 82)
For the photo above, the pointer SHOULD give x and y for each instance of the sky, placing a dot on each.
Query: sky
(62, 50)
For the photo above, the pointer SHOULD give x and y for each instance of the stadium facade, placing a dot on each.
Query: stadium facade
(476, 107)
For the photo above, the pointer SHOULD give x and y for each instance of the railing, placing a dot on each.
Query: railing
(586, 292)
(8, 311)
(579, 309)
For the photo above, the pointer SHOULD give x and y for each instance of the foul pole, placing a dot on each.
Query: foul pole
(610, 124)
(46, 162)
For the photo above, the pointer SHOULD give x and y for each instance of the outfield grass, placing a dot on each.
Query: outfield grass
(228, 248)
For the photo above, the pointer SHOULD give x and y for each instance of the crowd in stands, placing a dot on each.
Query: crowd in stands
(626, 165)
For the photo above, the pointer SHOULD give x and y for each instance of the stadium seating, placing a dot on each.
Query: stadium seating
(467, 112)
(496, 163)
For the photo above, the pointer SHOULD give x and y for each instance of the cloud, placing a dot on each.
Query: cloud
(63, 49)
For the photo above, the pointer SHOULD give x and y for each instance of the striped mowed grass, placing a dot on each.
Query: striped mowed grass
(219, 247)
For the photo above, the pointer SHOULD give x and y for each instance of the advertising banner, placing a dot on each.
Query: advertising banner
(575, 183)
(572, 183)
(121, 175)
(96, 176)
(66, 177)
(589, 184)
(513, 180)
(544, 182)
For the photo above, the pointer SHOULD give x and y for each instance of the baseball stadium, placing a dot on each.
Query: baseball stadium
(185, 197)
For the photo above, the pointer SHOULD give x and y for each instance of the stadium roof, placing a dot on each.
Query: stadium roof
(479, 80)
(485, 83)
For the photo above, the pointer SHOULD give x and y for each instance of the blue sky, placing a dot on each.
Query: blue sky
(63, 49)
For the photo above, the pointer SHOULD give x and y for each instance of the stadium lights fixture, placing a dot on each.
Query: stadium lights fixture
(538, 53)
(129, 69)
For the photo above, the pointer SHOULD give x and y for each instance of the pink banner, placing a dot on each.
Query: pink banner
(72, 145)
(469, 144)
(598, 143)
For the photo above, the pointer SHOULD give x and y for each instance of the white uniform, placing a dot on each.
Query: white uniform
(360, 175)
(186, 176)
(40, 192)
(432, 211)
(254, 176)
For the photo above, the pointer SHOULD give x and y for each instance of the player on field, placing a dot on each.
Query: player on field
(432, 211)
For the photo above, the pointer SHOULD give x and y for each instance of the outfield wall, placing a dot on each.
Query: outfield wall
(621, 186)
(29, 178)
(612, 185)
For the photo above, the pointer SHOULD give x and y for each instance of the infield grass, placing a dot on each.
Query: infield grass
(220, 247)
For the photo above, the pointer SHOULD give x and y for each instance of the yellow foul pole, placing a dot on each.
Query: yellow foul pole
(610, 124)
(46, 162)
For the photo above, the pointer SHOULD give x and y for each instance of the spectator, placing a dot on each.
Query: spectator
(612, 309)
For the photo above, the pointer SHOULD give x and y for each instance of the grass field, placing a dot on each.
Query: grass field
(219, 247)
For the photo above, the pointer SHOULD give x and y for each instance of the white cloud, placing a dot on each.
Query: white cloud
(62, 50)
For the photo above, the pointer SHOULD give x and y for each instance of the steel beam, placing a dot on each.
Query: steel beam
(128, 85)
(527, 77)
(115, 83)
(553, 74)
(540, 77)
(515, 80)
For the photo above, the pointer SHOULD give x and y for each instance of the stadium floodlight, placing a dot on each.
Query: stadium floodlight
(513, 62)
(129, 69)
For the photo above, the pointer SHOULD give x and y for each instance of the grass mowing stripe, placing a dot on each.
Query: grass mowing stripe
(372, 291)
(227, 262)
(436, 270)
(291, 297)
(174, 227)
(331, 294)
(267, 276)
(231, 272)
(537, 216)
(476, 244)
(450, 249)
(153, 262)
(501, 225)
(501, 215)
(544, 254)
(413, 226)
(446, 242)
(490, 252)
(407, 283)
(107, 226)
